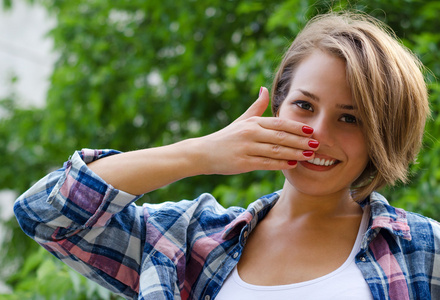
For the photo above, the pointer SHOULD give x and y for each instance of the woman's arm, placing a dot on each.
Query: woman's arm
(250, 143)
(71, 213)
(84, 212)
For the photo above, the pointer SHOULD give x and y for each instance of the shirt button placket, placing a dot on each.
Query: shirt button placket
(245, 236)
(207, 297)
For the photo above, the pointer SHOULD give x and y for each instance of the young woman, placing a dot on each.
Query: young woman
(349, 105)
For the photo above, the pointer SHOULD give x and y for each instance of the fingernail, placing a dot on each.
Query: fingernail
(308, 153)
(313, 144)
(292, 162)
(261, 90)
(307, 129)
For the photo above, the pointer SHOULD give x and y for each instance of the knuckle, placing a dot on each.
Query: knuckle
(252, 119)
(266, 161)
(281, 135)
(278, 122)
(276, 149)
(245, 131)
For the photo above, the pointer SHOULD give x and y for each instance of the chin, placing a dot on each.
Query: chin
(315, 186)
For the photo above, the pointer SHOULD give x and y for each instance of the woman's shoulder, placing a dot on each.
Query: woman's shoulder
(418, 226)
(205, 204)
(423, 225)
(207, 211)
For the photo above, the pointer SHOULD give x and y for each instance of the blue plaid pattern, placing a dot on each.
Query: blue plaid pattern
(186, 250)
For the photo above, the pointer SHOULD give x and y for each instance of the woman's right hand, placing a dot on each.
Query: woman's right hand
(253, 142)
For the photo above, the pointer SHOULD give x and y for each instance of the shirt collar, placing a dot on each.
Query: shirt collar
(384, 216)
(256, 211)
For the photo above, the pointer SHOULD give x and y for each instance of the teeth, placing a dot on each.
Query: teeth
(322, 162)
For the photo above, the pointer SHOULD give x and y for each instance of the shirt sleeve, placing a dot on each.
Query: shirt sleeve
(91, 226)
(435, 276)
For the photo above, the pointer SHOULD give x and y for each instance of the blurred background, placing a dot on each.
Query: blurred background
(137, 74)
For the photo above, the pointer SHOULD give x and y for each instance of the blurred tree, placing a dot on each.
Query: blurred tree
(137, 74)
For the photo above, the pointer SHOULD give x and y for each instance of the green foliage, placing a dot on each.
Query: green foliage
(43, 277)
(137, 74)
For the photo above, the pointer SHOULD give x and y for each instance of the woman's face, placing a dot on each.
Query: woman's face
(320, 97)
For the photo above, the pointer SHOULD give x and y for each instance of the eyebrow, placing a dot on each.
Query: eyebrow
(346, 107)
(316, 98)
(308, 94)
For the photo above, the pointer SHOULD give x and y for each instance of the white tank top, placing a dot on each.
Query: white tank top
(344, 283)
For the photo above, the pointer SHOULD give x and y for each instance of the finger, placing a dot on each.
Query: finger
(264, 163)
(277, 131)
(286, 125)
(278, 152)
(258, 107)
(285, 139)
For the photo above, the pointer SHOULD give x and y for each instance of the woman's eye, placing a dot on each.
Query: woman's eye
(304, 105)
(348, 119)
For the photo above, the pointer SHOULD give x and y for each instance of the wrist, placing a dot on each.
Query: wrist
(195, 152)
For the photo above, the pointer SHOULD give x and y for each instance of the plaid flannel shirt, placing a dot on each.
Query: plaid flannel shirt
(186, 249)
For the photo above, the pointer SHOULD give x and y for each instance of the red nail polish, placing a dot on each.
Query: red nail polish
(292, 162)
(261, 90)
(313, 144)
(308, 153)
(307, 129)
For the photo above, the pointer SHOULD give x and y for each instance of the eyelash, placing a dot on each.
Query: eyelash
(354, 119)
(301, 104)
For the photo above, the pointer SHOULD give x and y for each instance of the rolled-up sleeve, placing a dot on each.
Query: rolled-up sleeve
(75, 215)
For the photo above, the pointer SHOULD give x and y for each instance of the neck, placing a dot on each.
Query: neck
(294, 204)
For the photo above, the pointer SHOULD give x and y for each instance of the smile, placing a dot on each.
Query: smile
(322, 162)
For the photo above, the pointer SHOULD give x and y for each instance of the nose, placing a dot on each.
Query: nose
(323, 130)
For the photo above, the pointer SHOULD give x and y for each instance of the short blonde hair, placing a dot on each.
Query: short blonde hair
(387, 86)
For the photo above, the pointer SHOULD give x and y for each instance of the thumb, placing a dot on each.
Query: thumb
(258, 107)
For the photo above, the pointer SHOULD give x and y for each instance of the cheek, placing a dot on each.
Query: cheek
(356, 147)
(293, 114)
